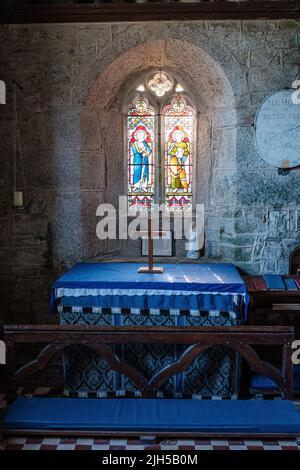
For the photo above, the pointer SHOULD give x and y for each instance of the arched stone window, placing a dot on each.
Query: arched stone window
(160, 127)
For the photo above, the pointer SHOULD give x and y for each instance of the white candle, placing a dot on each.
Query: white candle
(18, 198)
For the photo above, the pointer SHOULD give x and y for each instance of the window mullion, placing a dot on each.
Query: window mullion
(159, 184)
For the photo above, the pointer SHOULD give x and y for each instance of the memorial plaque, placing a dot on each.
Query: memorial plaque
(277, 130)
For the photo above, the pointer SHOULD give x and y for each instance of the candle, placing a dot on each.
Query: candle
(18, 199)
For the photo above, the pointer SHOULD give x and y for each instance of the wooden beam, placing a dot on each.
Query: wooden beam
(149, 334)
(135, 12)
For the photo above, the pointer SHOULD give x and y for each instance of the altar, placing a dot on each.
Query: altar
(114, 293)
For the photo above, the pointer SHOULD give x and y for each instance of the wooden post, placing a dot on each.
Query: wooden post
(10, 370)
(287, 370)
(150, 269)
(150, 243)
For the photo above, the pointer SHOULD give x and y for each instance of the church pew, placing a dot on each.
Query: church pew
(150, 415)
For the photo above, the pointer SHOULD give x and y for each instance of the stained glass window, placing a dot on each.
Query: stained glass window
(141, 158)
(160, 144)
(178, 135)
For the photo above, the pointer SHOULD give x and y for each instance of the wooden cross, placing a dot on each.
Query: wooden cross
(150, 269)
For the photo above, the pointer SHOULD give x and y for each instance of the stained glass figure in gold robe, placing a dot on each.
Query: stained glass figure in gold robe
(178, 151)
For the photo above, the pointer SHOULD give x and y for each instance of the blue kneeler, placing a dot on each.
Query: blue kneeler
(154, 416)
(263, 384)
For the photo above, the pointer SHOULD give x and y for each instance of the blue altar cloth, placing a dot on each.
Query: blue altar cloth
(181, 286)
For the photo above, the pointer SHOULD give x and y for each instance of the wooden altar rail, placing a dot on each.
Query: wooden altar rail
(240, 338)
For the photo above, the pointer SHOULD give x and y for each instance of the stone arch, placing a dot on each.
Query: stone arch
(102, 121)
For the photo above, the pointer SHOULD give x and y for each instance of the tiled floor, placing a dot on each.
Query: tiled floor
(56, 443)
(27, 443)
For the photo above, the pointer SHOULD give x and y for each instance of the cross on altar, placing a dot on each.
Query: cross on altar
(150, 269)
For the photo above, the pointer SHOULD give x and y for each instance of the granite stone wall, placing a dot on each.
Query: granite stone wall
(75, 79)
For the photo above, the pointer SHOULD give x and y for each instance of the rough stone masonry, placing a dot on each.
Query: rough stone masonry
(74, 80)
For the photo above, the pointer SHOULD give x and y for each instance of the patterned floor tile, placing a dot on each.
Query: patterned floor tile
(101, 441)
(204, 447)
(68, 440)
(120, 442)
(31, 447)
(254, 447)
(252, 442)
(134, 442)
(18, 440)
(272, 447)
(180, 447)
(113, 446)
(100, 447)
(66, 447)
(219, 442)
(238, 447)
(170, 447)
(186, 442)
(51, 441)
(86, 442)
(290, 448)
(152, 447)
(48, 447)
(136, 447)
(34, 440)
(287, 443)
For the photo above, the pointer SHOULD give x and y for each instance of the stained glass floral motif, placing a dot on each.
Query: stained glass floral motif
(178, 133)
(160, 84)
(140, 128)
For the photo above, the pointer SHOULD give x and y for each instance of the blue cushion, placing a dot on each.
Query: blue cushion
(248, 416)
(259, 381)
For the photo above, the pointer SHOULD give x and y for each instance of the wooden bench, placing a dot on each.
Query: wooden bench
(149, 415)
